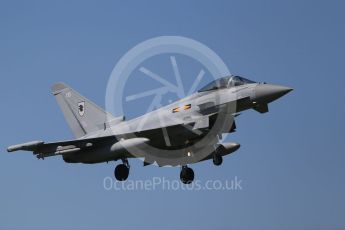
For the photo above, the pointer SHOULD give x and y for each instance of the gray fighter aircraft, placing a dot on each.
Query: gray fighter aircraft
(179, 134)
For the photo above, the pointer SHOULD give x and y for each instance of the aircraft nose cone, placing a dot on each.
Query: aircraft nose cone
(266, 93)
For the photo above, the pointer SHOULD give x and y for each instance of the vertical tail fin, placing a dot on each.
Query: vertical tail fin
(82, 115)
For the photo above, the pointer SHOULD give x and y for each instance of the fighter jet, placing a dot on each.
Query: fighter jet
(184, 132)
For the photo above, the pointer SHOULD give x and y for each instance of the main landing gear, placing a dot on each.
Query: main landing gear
(186, 175)
(121, 171)
(217, 155)
(217, 159)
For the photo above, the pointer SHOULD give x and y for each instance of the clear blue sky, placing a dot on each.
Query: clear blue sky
(291, 160)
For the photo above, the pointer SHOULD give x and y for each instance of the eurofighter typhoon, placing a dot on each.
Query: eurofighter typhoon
(182, 133)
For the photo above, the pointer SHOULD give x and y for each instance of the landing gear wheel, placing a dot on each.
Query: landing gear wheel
(217, 159)
(121, 172)
(186, 175)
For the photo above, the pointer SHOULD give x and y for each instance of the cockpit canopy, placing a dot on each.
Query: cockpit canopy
(226, 82)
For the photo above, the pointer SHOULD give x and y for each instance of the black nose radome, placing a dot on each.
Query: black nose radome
(266, 93)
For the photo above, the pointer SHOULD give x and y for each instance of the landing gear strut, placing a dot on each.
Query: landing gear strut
(186, 175)
(121, 171)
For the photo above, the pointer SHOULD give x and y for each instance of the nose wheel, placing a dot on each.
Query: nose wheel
(186, 175)
(121, 171)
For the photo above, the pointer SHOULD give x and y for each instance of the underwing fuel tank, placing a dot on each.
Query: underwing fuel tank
(224, 149)
(227, 148)
(109, 153)
(125, 145)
